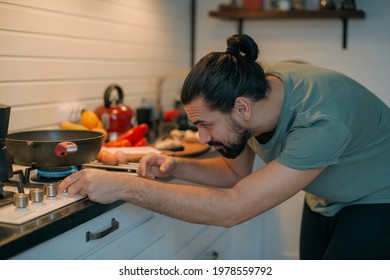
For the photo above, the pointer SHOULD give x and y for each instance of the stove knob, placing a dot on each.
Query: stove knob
(51, 190)
(65, 193)
(20, 200)
(36, 195)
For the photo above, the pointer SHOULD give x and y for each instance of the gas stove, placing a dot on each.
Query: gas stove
(32, 193)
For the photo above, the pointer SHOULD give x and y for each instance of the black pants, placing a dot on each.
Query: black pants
(356, 232)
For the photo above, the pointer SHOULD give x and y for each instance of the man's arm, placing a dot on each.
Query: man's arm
(217, 171)
(254, 194)
(260, 191)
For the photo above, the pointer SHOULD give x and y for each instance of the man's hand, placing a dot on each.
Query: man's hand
(99, 185)
(154, 166)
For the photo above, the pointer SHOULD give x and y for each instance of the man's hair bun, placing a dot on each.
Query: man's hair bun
(242, 45)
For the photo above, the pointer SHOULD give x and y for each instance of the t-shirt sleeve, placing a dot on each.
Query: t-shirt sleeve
(318, 145)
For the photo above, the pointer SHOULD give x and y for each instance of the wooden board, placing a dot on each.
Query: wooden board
(190, 150)
(134, 154)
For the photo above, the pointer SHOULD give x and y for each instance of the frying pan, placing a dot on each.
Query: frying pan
(54, 148)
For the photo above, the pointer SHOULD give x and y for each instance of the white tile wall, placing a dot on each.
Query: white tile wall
(55, 52)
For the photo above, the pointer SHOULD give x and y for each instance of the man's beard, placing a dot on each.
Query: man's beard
(233, 150)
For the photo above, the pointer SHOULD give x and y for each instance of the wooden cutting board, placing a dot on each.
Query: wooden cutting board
(190, 150)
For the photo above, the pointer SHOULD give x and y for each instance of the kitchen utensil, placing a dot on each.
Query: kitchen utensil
(115, 116)
(54, 148)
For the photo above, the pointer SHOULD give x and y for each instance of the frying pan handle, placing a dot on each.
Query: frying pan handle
(65, 148)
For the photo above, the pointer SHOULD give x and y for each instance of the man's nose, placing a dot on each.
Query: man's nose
(204, 136)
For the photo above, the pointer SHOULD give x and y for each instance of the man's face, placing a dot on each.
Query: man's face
(216, 129)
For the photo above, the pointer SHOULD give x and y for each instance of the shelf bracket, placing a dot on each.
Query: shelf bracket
(240, 25)
(345, 31)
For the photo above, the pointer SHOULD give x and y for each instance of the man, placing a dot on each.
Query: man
(317, 130)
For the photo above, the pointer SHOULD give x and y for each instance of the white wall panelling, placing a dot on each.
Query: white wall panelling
(53, 52)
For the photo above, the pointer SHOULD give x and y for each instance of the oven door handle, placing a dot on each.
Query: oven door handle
(97, 235)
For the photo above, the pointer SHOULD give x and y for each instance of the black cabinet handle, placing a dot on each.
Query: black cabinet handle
(97, 235)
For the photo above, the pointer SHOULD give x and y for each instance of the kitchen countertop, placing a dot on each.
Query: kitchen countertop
(15, 239)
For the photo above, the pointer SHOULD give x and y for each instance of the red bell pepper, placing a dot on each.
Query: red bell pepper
(118, 143)
(141, 142)
(134, 134)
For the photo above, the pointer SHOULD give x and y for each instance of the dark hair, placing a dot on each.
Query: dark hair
(221, 77)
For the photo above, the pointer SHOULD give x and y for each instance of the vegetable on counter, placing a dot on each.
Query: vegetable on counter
(118, 143)
(141, 142)
(88, 121)
(134, 137)
(72, 126)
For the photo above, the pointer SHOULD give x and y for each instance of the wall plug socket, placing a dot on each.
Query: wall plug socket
(71, 112)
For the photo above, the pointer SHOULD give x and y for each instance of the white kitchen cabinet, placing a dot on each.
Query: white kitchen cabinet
(241, 242)
(155, 251)
(130, 244)
(189, 241)
(137, 230)
(145, 235)
(193, 241)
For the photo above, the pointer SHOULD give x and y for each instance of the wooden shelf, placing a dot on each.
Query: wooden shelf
(240, 15)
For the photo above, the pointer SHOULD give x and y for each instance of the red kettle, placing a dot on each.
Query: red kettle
(115, 116)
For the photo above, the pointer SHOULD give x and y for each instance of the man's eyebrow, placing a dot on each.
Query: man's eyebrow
(198, 122)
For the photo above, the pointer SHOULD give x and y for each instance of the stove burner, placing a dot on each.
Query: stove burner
(55, 172)
(28, 178)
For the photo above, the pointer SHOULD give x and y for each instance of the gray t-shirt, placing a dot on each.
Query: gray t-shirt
(329, 120)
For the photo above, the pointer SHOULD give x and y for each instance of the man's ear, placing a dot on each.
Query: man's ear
(242, 107)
